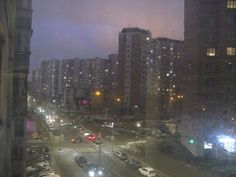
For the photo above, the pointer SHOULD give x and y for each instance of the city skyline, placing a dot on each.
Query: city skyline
(78, 32)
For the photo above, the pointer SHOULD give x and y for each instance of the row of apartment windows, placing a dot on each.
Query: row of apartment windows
(231, 4)
(230, 21)
(230, 35)
(211, 67)
(230, 51)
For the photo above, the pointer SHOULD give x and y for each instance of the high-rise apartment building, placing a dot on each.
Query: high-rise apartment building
(209, 82)
(132, 59)
(96, 73)
(36, 82)
(110, 73)
(50, 78)
(163, 79)
(81, 75)
(66, 74)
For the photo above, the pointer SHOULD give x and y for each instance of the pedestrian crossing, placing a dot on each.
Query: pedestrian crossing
(86, 149)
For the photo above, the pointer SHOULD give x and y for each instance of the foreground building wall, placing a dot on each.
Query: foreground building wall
(209, 82)
(20, 73)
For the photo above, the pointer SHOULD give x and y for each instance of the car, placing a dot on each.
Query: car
(76, 140)
(135, 164)
(91, 138)
(81, 160)
(121, 155)
(147, 171)
(93, 170)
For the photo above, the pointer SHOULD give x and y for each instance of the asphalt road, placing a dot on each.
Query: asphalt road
(66, 167)
(64, 152)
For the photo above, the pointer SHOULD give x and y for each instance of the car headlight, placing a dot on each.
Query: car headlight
(100, 173)
(91, 173)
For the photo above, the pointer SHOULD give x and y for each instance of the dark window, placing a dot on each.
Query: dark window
(210, 67)
(210, 82)
(19, 127)
(211, 5)
(211, 20)
(231, 35)
(229, 66)
(232, 20)
(211, 36)
(17, 152)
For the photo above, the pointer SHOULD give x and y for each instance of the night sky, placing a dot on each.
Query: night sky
(88, 28)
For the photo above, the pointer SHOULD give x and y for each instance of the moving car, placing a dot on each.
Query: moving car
(147, 171)
(93, 170)
(121, 155)
(81, 160)
(133, 164)
(91, 138)
(76, 140)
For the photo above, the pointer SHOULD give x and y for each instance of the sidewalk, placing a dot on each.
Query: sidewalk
(166, 166)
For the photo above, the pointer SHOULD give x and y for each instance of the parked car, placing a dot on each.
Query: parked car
(133, 164)
(121, 155)
(81, 160)
(147, 171)
(76, 140)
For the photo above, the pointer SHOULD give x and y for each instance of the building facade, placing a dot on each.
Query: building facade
(23, 35)
(7, 48)
(36, 82)
(96, 73)
(163, 79)
(110, 73)
(50, 78)
(133, 52)
(209, 82)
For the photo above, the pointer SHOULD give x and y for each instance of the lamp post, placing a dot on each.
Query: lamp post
(112, 136)
(100, 148)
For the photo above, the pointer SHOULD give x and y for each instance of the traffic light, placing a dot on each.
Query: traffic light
(191, 141)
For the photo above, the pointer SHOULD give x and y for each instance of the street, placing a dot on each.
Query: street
(64, 152)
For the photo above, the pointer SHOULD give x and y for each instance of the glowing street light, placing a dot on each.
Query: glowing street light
(97, 93)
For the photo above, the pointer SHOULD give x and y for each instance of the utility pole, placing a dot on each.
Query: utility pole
(99, 155)
(112, 137)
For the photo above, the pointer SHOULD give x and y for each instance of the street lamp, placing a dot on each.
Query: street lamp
(97, 93)
(112, 136)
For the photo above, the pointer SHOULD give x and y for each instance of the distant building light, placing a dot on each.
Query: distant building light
(167, 74)
(106, 70)
(148, 38)
(227, 142)
(173, 86)
(208, 145)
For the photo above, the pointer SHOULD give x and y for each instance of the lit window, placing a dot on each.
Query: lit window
(211, 52)
(231, 4)
(231, 51)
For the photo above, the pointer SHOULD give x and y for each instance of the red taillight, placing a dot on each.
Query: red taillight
(92, 137)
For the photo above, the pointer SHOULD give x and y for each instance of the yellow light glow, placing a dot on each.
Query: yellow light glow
(98, 93)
